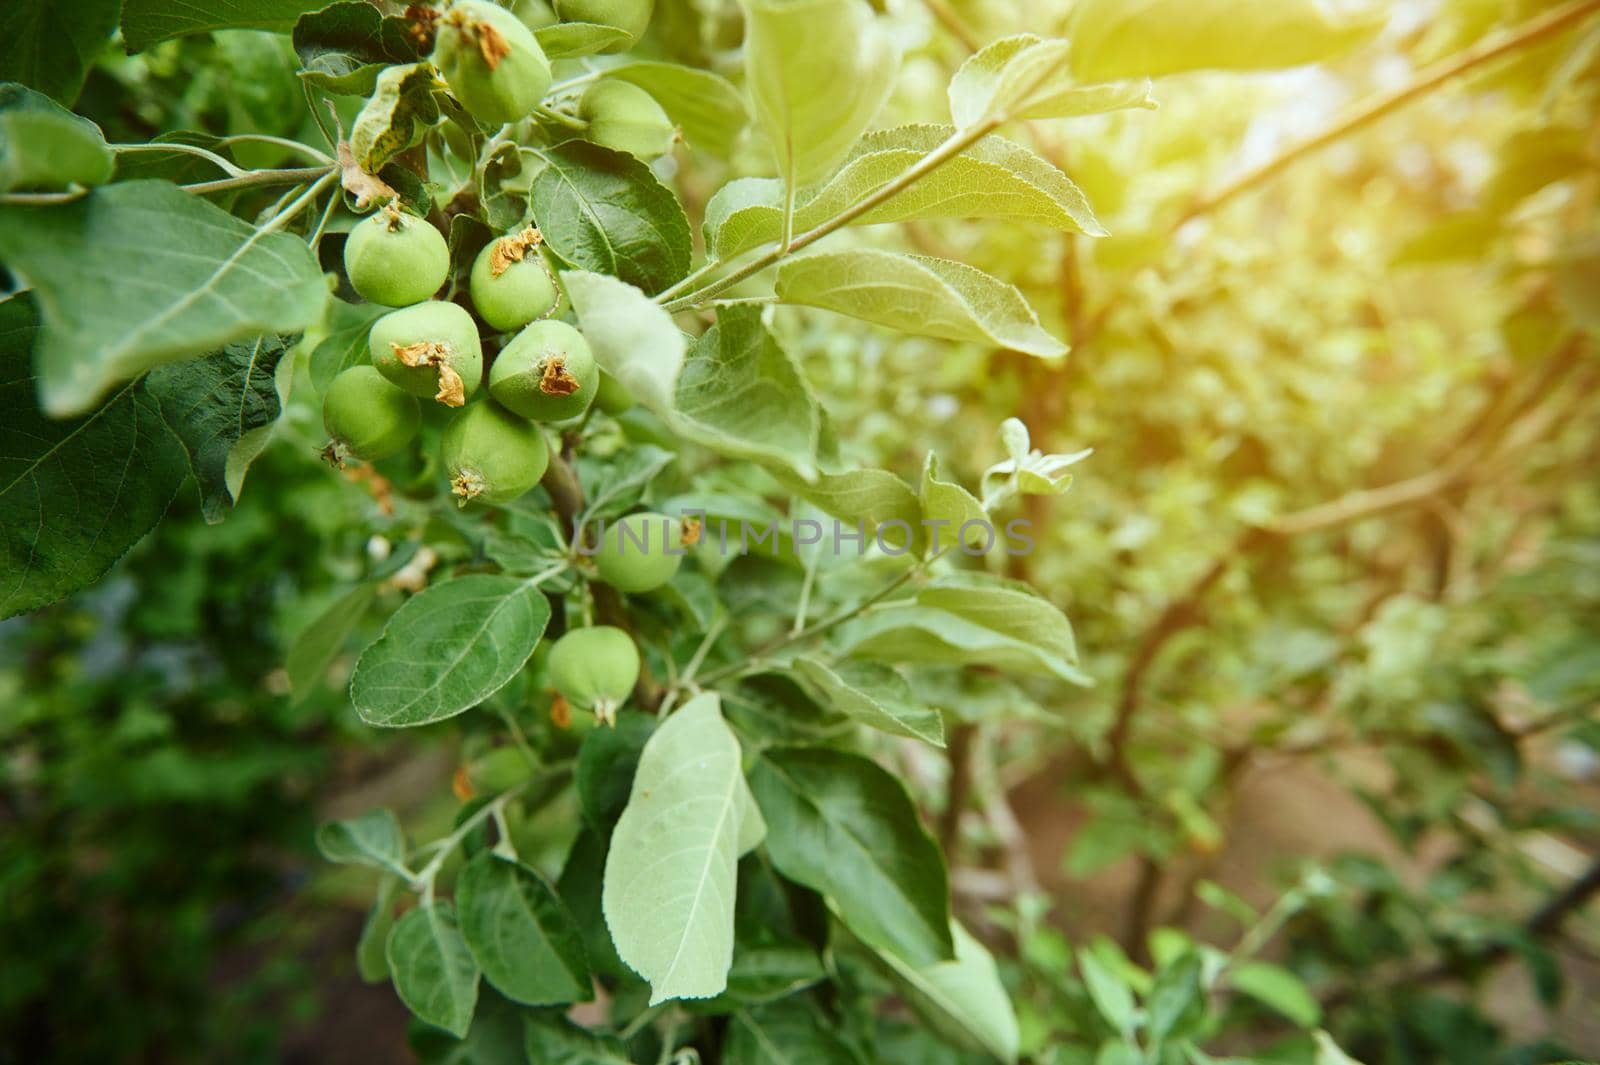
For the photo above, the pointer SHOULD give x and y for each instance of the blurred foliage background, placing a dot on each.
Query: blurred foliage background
(1334, 564)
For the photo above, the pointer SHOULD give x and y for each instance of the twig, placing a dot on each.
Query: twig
(1532, 32)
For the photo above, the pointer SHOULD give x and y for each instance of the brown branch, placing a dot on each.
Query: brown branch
(958, 789)
(1534, 31)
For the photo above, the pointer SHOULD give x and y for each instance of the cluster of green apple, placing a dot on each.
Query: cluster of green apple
(494, 66)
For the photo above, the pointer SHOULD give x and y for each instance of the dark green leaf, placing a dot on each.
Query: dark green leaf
(604, 211)
(345, 344)
(74, 495)
(1174, 998)
(551, 1039)
(432, 968)
(48, 45)
(344, 46)
(790, 1032)
(223, 408)
(841, 825)
(147, 22)
(522, 936)
(1276, 987)
(606, 763)
(449, 648)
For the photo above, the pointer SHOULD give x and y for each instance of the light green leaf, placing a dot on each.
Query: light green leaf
(396, 116)
(818, 71)
(1277, 987)
(971, 617)
(223, 408)
(1114, 39)
(871, 498)
(372, 960)
(521, 934)
(740, 394)
(1107, 990)
(566, 40)
(551, 1039)
(1329, 1052)
(951, 507)
(148, 22)
(616, 486)
(963, 999)
(449, 648)
(788, 1032)
(874, 695)
(669, 879)
(345, 344)
(373, 839)
(708, 107)
(842, 826)
(917, 294)
(48, 45)
(45, 146)
(205, 279)
(995, 178)
(1173, 998)
(74, 495)
(633, 339)
(432, 969)
(320, 642)
(604, 211)
(1029, 472)
(1026, 76)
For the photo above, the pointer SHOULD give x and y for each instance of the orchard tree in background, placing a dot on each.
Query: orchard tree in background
(471, 285)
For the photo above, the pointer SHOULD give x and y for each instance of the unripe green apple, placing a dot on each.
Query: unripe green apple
(490, 455)
(625, 118)
(595, 669)
(612, 396)
(366, 416)
(546, 373)
(630, 16)
(429, 349)
(395, 259)
(491, 61)
(510, 284)
(641, 552)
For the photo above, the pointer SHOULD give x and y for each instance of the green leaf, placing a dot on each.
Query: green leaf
(345, 344)
(223, 408)
(1114, 39)
(1026, 76)
(708, 108)
(580, 888)
(840, 825)
(396, 116)
(972, 617)
(963, 999)
(373, 839)
(767, 972)
(565, 40)
(320, 642)
(432, 968)
(1173, 999)
(74, 495)
(995, 178)
(604, 211)
(205, 279)
(1277, 987)
(670, 874)
(148, 22)
(607, 761)
(344, 46)
(950, 507)
(871, 498)
(873, 694)
(551, 1039)
(919, 295)
(45, 146)
(817, 71)
(740, 394)
(449, 648)
(372, 961)
(1107, 990)
(633, 339)
(789, 1032)
(522, 936)
(48, 45)
(617, 486)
